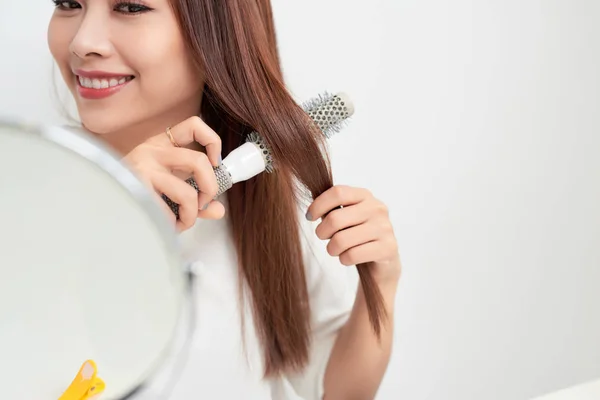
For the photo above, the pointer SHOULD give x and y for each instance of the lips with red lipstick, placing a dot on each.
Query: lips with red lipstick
(97, 85)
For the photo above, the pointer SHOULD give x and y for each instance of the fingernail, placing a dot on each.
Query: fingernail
(220, 159)
(309, 216)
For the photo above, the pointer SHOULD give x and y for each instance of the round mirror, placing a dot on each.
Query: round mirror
(90, 266)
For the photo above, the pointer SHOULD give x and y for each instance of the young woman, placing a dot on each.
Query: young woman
(173, 85)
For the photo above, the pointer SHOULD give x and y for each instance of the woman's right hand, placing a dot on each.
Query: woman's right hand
(157, 160)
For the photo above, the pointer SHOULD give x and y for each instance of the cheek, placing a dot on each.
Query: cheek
(180, 78)
(167, 74)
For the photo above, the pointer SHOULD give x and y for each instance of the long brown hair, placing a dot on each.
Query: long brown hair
(234, 44)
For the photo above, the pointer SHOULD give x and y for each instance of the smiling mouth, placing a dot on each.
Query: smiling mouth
(103, 83)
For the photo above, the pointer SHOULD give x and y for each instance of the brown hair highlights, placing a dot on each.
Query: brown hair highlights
(233, 42)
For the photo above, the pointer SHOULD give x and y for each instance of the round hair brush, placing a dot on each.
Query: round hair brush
(328, 111)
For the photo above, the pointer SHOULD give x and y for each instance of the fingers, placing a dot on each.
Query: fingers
(198, 164)
(214, 210)
(344, 240)
(335, 197)
(181, 193)
(341, 219)
(156, 159)
(361, 254)
(194, 130)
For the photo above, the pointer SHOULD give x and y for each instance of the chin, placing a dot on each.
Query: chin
(101, 128)
(103, 123)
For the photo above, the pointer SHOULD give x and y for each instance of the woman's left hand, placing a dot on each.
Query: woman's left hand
(359, 232)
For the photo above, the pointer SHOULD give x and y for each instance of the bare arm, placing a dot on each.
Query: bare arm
(359, 359)
(360, 232)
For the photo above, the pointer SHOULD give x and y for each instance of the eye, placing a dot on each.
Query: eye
(130, 8)
(66, 5)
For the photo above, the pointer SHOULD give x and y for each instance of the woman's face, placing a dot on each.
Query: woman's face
(125, 63)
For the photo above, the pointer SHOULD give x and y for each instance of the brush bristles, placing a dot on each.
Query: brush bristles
(329, 112)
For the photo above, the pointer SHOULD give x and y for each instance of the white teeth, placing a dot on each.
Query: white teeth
(101, 83)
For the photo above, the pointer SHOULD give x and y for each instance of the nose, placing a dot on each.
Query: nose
(92, 38)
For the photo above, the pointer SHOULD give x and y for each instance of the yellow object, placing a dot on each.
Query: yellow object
(86, 385)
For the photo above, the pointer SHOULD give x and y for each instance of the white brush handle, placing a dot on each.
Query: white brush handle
(244, 162)
(241, 164)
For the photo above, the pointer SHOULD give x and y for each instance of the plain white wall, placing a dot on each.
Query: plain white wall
(478, 122)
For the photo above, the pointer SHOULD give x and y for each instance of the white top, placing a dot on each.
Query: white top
(215, 363)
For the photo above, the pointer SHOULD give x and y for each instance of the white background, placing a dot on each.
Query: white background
(477, 122)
